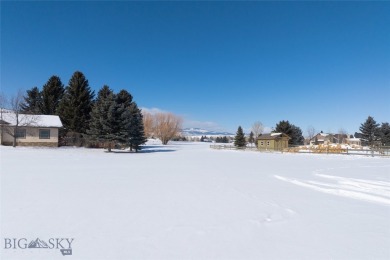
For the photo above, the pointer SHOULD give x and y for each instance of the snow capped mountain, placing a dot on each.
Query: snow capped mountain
(201, 132)
(37, 243)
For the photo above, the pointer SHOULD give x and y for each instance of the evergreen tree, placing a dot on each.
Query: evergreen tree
(76, 104)
(52, 93)
(239, 140)
(115, 118)
(124, 98)
(135, 127)
(32, 102)
(225, 140)
(99, 114)
(385, 134)
(124, 101)
(251, 138)
(112, 122)
(294, 132)
(298, 136)
(370, 131)
(284, 127)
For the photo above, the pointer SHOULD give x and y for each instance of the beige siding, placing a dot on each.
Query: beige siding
(32, 137)
(272, 143)
(6, 137)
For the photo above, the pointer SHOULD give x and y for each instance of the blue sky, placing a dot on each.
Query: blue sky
(218, 64)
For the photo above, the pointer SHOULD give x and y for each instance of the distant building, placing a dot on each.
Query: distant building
(326, 139)
(273, 141)
(322, 138)
(353, 141)
(32, 130)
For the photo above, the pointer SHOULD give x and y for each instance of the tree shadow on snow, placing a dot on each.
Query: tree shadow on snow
(143, 151)
(153, 146)
(157, 151)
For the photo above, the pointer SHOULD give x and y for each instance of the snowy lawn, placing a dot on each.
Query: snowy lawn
(187, 201)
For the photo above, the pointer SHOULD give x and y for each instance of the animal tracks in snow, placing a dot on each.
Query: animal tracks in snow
(360, 189)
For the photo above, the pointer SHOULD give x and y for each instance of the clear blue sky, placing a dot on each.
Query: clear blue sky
(218, 64)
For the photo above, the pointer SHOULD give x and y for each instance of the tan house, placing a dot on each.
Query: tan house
(327, 139)
(29, 130)
(322, 138)
(273, 141)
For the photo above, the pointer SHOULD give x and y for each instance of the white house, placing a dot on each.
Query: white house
(29, 130)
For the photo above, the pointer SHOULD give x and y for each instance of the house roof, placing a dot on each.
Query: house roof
(9, 118)
(272, 136)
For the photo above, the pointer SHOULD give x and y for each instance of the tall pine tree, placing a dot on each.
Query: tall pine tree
(76, 104)
(52, 93)
(298, 136)
(135, 127)
(239, 139)
(99, 114)
(124, 101)
(294, 132)
(116, 119)
(112, 124)
(385, 134)
(370, 131)
(32, 102)
(124, 98)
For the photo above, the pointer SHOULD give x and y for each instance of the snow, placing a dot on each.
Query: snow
(187, 201)
(32, 120)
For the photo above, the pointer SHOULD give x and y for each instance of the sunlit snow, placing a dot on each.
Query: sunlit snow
(187, 201)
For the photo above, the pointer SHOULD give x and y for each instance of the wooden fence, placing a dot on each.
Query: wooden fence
(372, 151)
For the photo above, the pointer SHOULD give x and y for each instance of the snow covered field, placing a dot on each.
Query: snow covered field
(187, 201)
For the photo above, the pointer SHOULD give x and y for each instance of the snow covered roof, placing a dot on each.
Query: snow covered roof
(30, 120)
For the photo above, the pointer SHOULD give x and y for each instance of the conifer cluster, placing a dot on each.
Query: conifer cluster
(110, 118)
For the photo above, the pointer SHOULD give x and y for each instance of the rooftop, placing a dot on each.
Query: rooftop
(10, 118)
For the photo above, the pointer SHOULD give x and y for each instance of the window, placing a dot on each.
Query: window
(44, 133)
(21, 133)
(267, 143)
(261, 143)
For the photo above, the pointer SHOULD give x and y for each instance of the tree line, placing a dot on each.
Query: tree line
(284, 126)
(110, 119)
(371, 133)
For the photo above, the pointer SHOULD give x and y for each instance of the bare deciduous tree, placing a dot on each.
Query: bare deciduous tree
(148, 120)
(311, 131)
(166, 126)
(14, 118)
(3, 101)
(257, 129)
(3, 104)
(341, 135)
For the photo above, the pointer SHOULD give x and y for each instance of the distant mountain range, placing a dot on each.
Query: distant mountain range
(202, 132)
